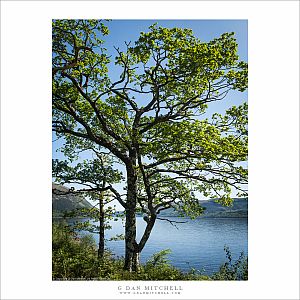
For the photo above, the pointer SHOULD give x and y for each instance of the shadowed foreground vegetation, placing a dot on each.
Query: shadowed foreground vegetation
(75, 258)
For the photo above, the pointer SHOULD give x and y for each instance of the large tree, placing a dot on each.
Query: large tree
(153, 119)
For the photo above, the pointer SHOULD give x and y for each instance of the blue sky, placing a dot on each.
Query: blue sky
(205, 30)
(122, 31)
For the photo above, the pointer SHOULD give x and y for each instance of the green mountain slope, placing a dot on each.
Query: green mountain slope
(239, 209)
(63, 201)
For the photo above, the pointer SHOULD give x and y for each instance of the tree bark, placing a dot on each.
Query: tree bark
(131, 257)
(101, 227)
(130, 240)
(136, 261)
(147, 232)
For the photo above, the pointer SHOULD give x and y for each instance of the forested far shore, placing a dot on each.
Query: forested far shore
(64, 202)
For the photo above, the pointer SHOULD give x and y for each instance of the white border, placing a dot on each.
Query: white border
(26, 146)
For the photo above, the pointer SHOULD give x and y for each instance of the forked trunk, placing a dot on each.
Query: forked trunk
(132, 249)
(132, 254)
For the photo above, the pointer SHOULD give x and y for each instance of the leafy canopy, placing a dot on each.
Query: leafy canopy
(155, 112)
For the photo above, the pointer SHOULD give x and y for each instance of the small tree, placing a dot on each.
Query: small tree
(95, 178)
(153, 118)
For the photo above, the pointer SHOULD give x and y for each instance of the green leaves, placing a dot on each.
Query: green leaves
(159, 259)
(155, 110)
(185, 66)
(92, 172)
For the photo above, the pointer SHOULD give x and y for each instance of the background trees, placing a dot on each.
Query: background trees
(152, 120)
(95, 179)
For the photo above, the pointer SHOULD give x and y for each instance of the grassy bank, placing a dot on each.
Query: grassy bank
(76, 258)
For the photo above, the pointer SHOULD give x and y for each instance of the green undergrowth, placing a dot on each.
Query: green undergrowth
(75, 258)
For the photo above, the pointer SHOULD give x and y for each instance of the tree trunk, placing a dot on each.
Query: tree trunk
(131, 257)
(136, 261)
(130, 240)
(147, 232)
(101, 227)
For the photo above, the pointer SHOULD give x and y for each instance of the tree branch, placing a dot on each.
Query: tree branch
(172, 222)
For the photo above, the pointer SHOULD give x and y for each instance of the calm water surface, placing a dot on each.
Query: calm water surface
(195, 244)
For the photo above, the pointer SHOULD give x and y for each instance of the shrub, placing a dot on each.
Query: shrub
(72, 257)
(230, 270)
(159, 268)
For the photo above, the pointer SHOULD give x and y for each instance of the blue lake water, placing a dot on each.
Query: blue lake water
(195, 244)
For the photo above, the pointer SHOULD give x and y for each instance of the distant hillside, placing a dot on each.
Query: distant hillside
(215, 210)
(62, 201)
